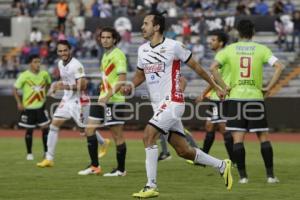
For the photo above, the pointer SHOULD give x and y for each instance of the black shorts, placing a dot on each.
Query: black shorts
(217, 111)
(247, 116)
(111, 114)
(32, 117)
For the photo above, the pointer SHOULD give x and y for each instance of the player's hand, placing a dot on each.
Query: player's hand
(58, 86)
(199, 99)
(103, 100)
(221, 93)
(20, 107)
(265, 91)
(227, 90)
(126, 90)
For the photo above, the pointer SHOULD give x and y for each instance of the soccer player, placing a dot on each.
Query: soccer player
(159, 62)
(34, 84)
(74, 103)
(218, 40)
(246, 109)
(107, 111)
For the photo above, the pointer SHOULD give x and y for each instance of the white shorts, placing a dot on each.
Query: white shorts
(73, 109)
(167, 117)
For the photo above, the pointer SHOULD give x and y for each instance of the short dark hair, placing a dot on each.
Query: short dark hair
(246, 28)
(32, 57)
(221, 35)
(158, 19)
(64, 42)
(115, 34)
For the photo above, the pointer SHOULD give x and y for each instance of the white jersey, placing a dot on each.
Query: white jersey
(161, 66)
(69, 74)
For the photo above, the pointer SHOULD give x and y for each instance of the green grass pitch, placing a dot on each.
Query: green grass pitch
(177, 180)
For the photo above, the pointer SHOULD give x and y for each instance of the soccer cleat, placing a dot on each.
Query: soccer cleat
(45, 163)
(163, 156)
(146, 192)
(227, 174)
(243, 180)
(103, 148)
(29, 157)
(115, 172)
(272, 180)
(90, 170)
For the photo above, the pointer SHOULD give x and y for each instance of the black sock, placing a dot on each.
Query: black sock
(121, 156)
(93, 150)
(228, 141)
(28, 140)
(240, 156)
(267, 154)
(45, 132)
(208, 141)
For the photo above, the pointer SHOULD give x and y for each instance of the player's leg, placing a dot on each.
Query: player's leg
(28, 142)
(27, 120)
(43, 121)
(259, 125)
(209, 136)
(185, 151)
(96, 115)
(267, 155)
(151, 134)
(117, 134)
(164, 154)
(228, 140)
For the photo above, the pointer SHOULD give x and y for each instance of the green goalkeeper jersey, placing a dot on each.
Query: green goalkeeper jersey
(245, 61)
(34, 88)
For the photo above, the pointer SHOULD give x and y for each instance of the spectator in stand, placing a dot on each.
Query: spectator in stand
(61, 34)
(3, 67)
(12, 67)
(18, 8)
(278, 7)
(61, 12)
(225, 3)
(25, 51)
(289, 7)
(81, 8)
(296, 31)
(95, 9)
(35, 35)
(32, 7)
(106, 9)
(250, 4)
(198, 51)
(241, 9)
(44, 52)
(261, 8)
(122, 8)
(186, 27)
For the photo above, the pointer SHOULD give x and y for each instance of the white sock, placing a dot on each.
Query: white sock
(151, 165)
(100, 139)
(51, 142)
(203, 158)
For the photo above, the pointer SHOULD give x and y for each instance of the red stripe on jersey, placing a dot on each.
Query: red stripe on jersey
(176, 93)
(109, 69)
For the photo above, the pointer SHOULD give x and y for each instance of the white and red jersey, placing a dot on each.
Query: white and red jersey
(69, 74)
(161, 65)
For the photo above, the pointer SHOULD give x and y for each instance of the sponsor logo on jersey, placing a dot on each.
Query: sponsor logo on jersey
(154, 68)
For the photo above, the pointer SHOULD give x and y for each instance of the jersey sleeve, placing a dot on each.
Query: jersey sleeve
(182, 52)
(47, 78)
(79, 71)
(121, 64)
(220, 57)
(269, 57)
(139, 60)
(20, 81)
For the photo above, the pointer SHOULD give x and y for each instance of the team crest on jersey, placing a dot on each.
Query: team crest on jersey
(80, 70)
(154, 67)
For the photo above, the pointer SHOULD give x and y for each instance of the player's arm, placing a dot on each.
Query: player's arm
(18, 99)
(214, 68)
(278, 70)
(81, 84)
(182, 83)
(203, 74)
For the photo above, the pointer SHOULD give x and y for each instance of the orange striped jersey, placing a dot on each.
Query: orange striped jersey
(113, 64)
(33, 87)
